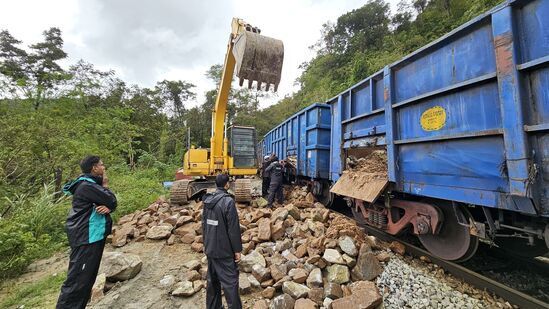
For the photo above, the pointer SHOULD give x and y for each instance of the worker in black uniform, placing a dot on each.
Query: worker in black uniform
(266, 177)
(88, 225)
(222, 245)
(276, 170)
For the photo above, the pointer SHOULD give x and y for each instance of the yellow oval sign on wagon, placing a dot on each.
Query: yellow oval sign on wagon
(433, 119)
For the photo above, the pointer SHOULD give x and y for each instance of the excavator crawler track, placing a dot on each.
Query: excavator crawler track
(179, 191)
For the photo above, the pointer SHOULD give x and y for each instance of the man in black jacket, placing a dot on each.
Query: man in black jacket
(276, 170)
(88, 224)
(266, 177)
(222, 245)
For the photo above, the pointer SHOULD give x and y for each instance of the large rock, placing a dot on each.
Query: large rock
(261, 304)
(333, 290)
(347, 244)
(299, 275)
(183, 288)
(316, 295)
(98, 288)
(278, 271)
(119, 266)
(367, 267)
(167, 281)
(120, 237)
(188, 228)
(159, 232)
(277, 230)
(253, 281)
(264, 232)
(304, 303)
(251, 259)
(283, 301)
(295, 290)
(244, 284)
(192, 265)
(349, 261)
(315, 278)
(333, 256)
(338, 274)
(268, 293)
(260, 202)
(310, 198)
(397, 247)
(279, 214)
(293, 211)
(183, 220)
(383, 256)
(365, 295)
(261, 273)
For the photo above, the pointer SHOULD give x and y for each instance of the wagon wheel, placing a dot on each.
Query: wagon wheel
(178, 193)
(454, 241)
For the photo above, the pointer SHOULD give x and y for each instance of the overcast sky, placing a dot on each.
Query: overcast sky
(148, 41)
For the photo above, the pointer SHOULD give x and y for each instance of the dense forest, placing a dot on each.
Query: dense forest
(52, 116)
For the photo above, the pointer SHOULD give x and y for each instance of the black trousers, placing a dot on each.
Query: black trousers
(275, 190)
(222, 273)
(83, 267)
(265, 186)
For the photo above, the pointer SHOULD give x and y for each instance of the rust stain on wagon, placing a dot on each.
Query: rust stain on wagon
(385, 93)
(504, 53)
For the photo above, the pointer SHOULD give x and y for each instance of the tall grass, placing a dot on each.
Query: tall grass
(33, 228)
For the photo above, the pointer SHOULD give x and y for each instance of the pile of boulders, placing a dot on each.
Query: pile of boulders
(160, 221)
(303, 255)
(190, 281)
(299, 254)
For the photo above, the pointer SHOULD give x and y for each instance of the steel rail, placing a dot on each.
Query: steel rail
(477, 280)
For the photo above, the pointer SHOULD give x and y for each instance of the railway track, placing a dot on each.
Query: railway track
(477, 280)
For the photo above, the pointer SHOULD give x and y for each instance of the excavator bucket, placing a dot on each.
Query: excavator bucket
(258, 58)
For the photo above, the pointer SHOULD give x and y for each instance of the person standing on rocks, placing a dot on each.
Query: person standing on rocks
(88, 225)
(222, 245)
(276, 170)
(266, 177)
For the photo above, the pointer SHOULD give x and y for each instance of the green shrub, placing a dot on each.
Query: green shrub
(33, 229)
(136, 189)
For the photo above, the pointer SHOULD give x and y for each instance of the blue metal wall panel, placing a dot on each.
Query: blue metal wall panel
(461, 59)
(539, 88)
(361, 101)
(467, 112)
(534, 32)
(474, 163)
(365, 126)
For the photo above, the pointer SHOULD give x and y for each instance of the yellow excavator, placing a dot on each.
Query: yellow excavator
(255, 58)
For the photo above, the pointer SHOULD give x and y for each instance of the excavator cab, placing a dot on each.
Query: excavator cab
(257, 59)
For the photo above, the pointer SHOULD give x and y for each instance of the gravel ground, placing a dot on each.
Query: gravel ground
(409, 283)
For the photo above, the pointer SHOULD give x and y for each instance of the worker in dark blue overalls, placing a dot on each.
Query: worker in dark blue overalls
(276, 170)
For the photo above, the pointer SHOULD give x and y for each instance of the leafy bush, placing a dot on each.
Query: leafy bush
(136, 189)
(33, 229)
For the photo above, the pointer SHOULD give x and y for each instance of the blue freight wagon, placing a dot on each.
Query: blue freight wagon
(465, 125)
(304, 141)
